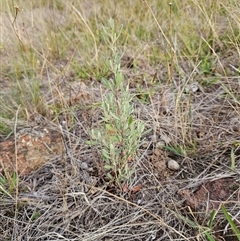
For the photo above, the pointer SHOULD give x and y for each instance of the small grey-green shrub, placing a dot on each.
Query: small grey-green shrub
(120, 134)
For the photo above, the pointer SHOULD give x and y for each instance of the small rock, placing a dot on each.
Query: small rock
(84, 165)
(173, 165)
(194, 87)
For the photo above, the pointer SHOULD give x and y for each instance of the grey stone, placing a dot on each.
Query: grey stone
(173, 165)
(84, 165)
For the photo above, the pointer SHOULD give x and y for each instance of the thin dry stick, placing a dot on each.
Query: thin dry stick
(14, 26)
(159, 26)
(89, 29)
(16, 168)
(172, 52)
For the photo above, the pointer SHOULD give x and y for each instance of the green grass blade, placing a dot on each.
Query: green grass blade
(209, 237)
(230, 221)
(232, 160)
(212, 216)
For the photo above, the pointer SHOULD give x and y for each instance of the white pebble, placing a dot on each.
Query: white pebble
(173, 165)
(194, 87)
(84, 165)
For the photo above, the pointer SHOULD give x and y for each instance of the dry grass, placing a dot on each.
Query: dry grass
(46, 48)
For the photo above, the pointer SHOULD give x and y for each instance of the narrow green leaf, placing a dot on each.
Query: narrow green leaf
(111, 146)
(130, 120)
(176, 150)
(209, 236)
(106, 83)
(3, 181)
(114, 116)
(91, 143)
(105, 154)
(230, 221)
(108, 167)
(106, 106)
(109, 127)
(212, 216)
(110, 176)
(35, 216)
(111, 64)
(141, 127)
(186, 220)
(4, 191)
(232, 159)
(118, 79)
(126, 168)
